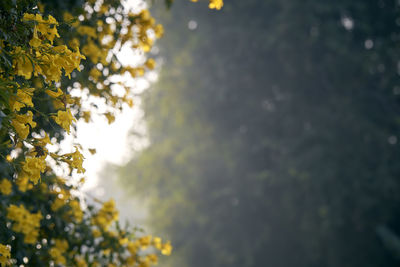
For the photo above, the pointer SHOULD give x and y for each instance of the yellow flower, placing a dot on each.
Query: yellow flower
(22, 99)
(80, 262)
(42, 28)
(61, 244)
(145, 241)
(146, 44)
(21, 129)
(86, 30)
(30, 17)
(133, 247)
(33, 167)
(144, 263)
(51, 70)
(57, 104)
(46, 27)
(86, 116)
(60, 49)
(106, 215)
(92, 51)
(166, 248)
(107, 251)
(20, 124)
(64, 119)
(26, 119)
(145, 14)
(123, 241)
(157, 243)
(57, 204)
(216, 4)
(68, 18)
(35, 41)
(150, 63)
(74, 43)
(5, 187)
(159, 30)
(25, 222)
(76, 210)
(75, 160)
(57, 256)
(95, 73)
(72, 61)
(96, 233)
(23, 182)
(129, 101)
(58, 250)
(152, 258)
(44, 141)
(4, 255)
(140, 71)
(24, 67)
(54, 94)
(110, 117)
(51, 20)
(131, 261)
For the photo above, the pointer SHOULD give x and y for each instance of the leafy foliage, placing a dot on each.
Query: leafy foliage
(51, 60)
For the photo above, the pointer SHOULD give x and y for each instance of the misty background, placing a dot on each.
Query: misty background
(273, 135)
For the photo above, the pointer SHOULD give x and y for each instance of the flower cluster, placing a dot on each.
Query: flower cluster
(4, 255)
(5, 187)
(47, 59)
(214, 4)
(25, 222)
(41, 61)
(106, 215)
(57, 251)
(45, 54)
(100, 43)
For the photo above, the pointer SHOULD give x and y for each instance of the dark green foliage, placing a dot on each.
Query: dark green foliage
(274, 131)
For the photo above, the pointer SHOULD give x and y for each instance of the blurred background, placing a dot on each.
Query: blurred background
(272, 135)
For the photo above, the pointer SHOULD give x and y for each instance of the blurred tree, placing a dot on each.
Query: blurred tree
(274, 134)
